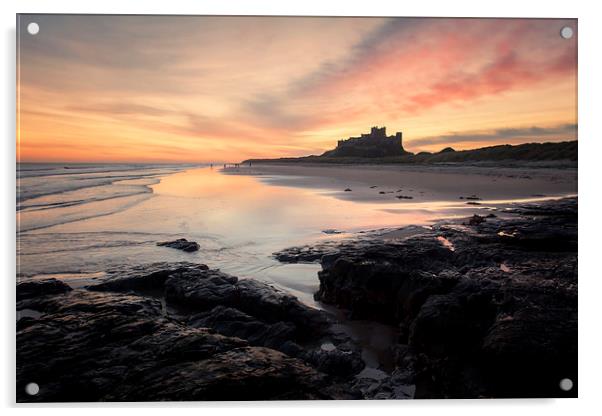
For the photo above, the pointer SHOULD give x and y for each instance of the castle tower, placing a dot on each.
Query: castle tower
(398, 138)
(376, 132)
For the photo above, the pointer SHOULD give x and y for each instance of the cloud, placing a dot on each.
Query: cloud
(564, 131)
(406, 67)
(119, 109)
(506, 72)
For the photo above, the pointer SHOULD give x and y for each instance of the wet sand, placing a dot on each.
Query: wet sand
(385, 183)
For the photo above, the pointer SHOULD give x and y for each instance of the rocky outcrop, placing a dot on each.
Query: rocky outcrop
(488, 307)
(181, 244)
(30, 289)
(179, 331)
(195, 288)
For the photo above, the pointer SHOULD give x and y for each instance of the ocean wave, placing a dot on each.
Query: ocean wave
(43, 182)
(36, 220)
(26, 207)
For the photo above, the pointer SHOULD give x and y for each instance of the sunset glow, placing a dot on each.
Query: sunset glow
(199, 89)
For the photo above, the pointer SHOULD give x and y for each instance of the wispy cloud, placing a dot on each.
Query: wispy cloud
(562, 132)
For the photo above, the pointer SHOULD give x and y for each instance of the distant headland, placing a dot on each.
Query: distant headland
(377, 147)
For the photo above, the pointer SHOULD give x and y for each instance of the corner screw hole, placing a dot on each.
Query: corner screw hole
(566, 32)
(33, 28)
(566, 384)
(32, 389)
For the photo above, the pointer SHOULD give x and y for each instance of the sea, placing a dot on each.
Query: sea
(75, 221)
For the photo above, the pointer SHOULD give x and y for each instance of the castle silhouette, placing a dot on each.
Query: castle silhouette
(373, 144)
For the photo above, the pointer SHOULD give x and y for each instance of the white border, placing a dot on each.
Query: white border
(590, 154)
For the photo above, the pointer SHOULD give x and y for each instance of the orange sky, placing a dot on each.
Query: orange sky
(196, 89)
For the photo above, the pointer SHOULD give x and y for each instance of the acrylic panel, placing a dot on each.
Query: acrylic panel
(308, 208)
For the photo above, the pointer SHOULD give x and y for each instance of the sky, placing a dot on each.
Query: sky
(209, 88)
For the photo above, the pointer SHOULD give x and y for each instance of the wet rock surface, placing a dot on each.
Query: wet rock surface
(36, 288)
(181, 244)
(178, 331)
(487, 307)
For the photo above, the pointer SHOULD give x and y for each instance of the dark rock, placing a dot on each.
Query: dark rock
(25, 322)
(341, 363)
(250, 373)
(92, 346)
(366, 280)
(148, 277)
(263, 301)
(404, 197)
(35, 288)
(181, 244)
(476, 219)
(201, 289)
(232, 322)
(497, 306)
(195, 288)
(536, 342)
(453, 322)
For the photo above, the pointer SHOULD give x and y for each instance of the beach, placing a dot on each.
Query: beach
(275, 233)
(424, 183)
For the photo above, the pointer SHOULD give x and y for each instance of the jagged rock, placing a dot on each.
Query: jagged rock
(366, 281)
(331, 231)
(469, 308)
(201, 289)
(280, 335)
(341, 363)
(232, 322)
(93, 346)
(34, 288)
(263, 301)
(198, 289)
(250, 373)
(476, 219)
(181, 244)
(148, 277)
